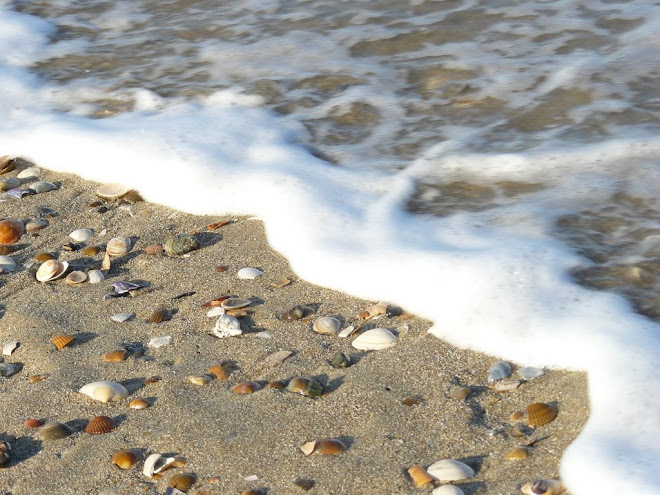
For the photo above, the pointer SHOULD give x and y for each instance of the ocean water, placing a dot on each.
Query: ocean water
(493, 165)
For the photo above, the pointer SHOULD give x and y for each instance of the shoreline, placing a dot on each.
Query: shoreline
(221, 434)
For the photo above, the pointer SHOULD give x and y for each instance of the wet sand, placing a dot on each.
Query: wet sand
(392, 407)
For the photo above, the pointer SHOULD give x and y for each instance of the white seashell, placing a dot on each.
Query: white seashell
(76, 277)
(9, 348)
(347, 332)
(217, 311)
(51, 270)
(36, 225)
(105, 391)
(29, 172)
(450, 470)
(81, 235)
(157, 342)
(544, 487)
(42, 186)
(122, 317)
(447, 490)
(95, 276)
(249, 273)
(112, 191)
(227, 326)
(7, 264)
(530, 372)
(156, 463)
(372, 340)
(8, 183)
(326, 325)
(118, 246)
(499, 371)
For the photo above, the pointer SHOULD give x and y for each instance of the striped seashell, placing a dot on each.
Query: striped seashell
(450, 470)
(11, 231)
(99, 425)
(183, 481)
(540, 413)
(159, 316)
(118, 246)
(326, 325)
(63, 340)
(420, 476)
(447, 490)
(125, 459)
(245, 388)
(51, 270)
(376, 339)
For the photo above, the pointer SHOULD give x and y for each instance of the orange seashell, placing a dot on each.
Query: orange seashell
(516, 416)
(115, 356)
(221, 268)
(245, 388)
(153, 249)
(419, 475)
(221, 371)
(36, 378)
(330, 447)
(61, 341)
(183, 481)
(540, 413)
(215, 302)
(33, 423)
(125, 459)
(11, 231)
(276, 384)
(91, 250)
(517, 454)
(7, 164)
(217, 225)
(99, 425)
(138, 403)
(159, 316)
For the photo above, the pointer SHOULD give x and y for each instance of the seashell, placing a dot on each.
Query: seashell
(10, 231)
(544, 487)
(460, 393)
(7, 264)
(519, 431)
(530, 372)
(158, 342)
(6, 249)
(51, 270)
(156, 463)
(159, 316)
(221, 371)
(105, 391)
(115, 356)
(499, 371)
(53, 431)
(112, 191)
(276, 358)
(42, 186)
(36, 225)
(298, 385)
(340, 360)
(122, 317)
(276, 384)
(9, 348)
(516, 416)
(180, 244)
(36, 378)
(447, 490)
(95, 276)
(249, 273)
(420, 476)
(200, 380)
(118, 246)
(153, 249)
(330, 447)
(183, 481)
(217, 225)
(326, 325)
(7, 164)
(378, 338)
(81, 235)
(282, 283)
(9, 369)
(125, 459)
(9, 183)
(245, 388)
(517, 454)
(215, 303)
(91, 250)
(295, 313)
(540, 413)
(33, 423)
(227, 326)
(450, 470)
(138, 403)
(76, 277)
(29, 173)
(214, 312)
(505, 385)
(235, 303)
(63, 340)
(122, 287)
(18, 193)
(347, 332)
(377, 309)
(41, 257)
(99, 425)
(106, 264)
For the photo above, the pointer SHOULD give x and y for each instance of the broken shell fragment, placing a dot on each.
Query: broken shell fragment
(227, 326)
(540, 413)
(544, 487)
(505, 385)
(376, 339)
(245, 388)
(420, 476)
(62, 341)
(9, 348)
(530, 372)
(115, 356)
(249, 273)
(81, 235)
(99, 425)
(76, 277)
(118, 246)
(10, 231)
(377, 309)
(450, 470)
(112, 191)
(125, 459)
(105, 391)
(330, 446)
(42, 186)
(51, 270)
(122, 317)
(499, 371)
(326, 325)
(53, 431)
(156, 463)
(138, 403)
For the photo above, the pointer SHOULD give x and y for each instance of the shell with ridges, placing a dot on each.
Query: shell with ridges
(10, 231)
(376, 339)
(326, 325)
(125, 459)
(63, 340)
(118, 246)
(420, 476)
(159, 316)
(105, 391)
(540, 413)
(99, 425)
(76, 277)
(450, 470)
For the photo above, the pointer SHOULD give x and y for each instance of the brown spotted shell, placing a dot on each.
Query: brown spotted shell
(99, 425)
(125, 459)
(61, 341)
(245, 388)
(10, 231)
(183, 481)
(540, 413)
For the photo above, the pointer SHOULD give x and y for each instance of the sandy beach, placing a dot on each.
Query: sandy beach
(392, 408)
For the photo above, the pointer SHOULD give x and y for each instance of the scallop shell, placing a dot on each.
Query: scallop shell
(159, 316)
(9, 348)
(105, 391)
(540, 413)
(125, 459)
(7, 264)
(156, 463)
(326, 325)
(499, 371)
(378, 338)
(81, 235)
(53, 431)
(544, 487)
(29, 173)
(42, 186)
(11, 231)
(235, 303)
(112, 191)
(99, 425)
(183, 481)
(138, 403)
(450, 470)
(447, 490)
(51, 270)
(95, 276)
(76, 277)
(245, 388)
(249, 273)
(63, 340)
(420, 476)
(118, 246)
(8, 183)
(115, 356)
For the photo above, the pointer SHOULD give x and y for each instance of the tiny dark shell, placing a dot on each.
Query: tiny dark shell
(295, 313)
(340, 360)
(393, 311)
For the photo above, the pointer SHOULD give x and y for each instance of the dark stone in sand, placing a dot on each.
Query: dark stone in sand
(180, 244)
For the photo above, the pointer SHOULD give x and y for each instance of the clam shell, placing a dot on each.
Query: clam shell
(91, 250)
(517, 454)
(105, 391)
(249, 273)
(227, 326)
(7, 164)
(7, 183)
(95, 276)
(99, 425)
(499, 371)
(44, 256)
(330, 446)
(447, 490)
(118, 246)
(221, 371)
(245, 388)
(138, 403)
(76, 277)
(200, 380)
(115, 356)
(42, 186)
(53, 431)
(540, 413)
(9, 348)
(326, 325)
(183, 481)
(125, 459)
(7, 264)
(9, 369)
(298, 385)
(63, 340)
(122, 317)
(33, 423)
(10, 231)
(156, 463)
(81, 235)
(460, 393)
(51, 270)
(420, 476)
(450, 470)
(36, 225)
(235, 303)
(378, 338)
(276, 384)
(29, 173)
(544, 487)
(112, 191)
